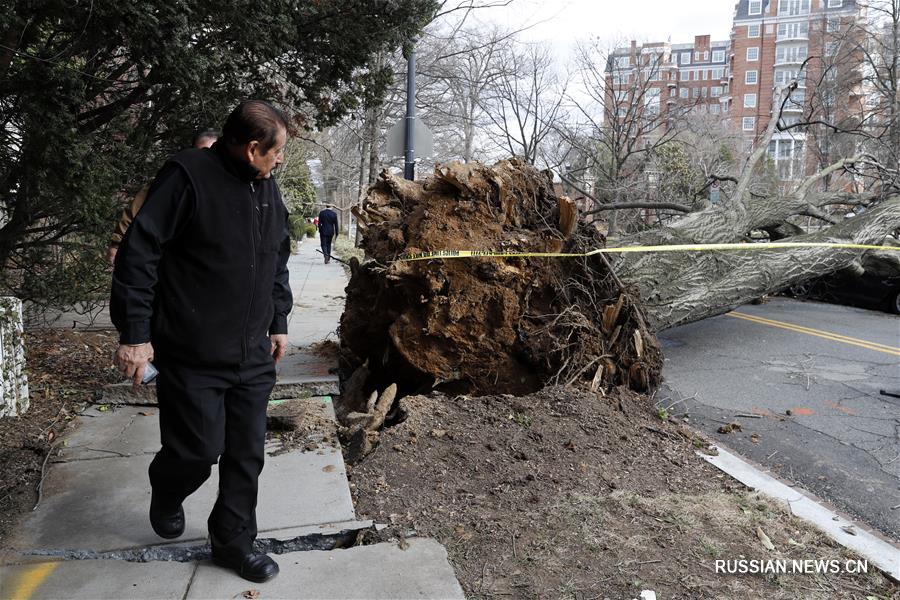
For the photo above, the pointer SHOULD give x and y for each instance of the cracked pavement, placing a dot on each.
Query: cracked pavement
(813, 410)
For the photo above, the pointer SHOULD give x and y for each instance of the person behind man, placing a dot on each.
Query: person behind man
(201, 287)
(328, 228)
(201, 139)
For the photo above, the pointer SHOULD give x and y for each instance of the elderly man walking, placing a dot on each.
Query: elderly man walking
(200, 287)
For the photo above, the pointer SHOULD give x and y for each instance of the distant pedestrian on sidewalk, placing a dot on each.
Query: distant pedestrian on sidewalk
(201, 288)
(201, 139)
(328, 228)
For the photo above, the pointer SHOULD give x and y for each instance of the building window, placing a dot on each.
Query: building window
(697, 56)
(796, 100)
(695, 92)
(749, 100)
(785, 76)
(755, 7)
(748, 124)
(753, 31)
(793, 7)
(714, 109)
(833, 24)
(835, 3)
(788, 156)
(751, 78)
(753, 53)
(672, 92)
(684, 58)
(623, 62)
(831, 48)
(788, 31)
(790, 54)
(715, 91)
(705, 73)
(718, 74)
(651, 102)
(718, 56)
(684, 92)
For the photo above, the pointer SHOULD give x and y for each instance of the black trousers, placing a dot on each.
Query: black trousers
(326, 244)
(209, 415)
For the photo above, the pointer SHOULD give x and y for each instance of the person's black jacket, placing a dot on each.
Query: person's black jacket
(328, 223)
(202, 271)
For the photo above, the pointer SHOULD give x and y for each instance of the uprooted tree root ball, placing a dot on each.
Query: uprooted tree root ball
(486, 325)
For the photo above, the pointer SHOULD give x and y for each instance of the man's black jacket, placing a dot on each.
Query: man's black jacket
(202, 271)
(328, 223)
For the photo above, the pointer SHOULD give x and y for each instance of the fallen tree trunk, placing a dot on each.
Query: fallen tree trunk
(686, 287)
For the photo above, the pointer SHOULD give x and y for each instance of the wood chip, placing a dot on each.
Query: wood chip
(766, 542)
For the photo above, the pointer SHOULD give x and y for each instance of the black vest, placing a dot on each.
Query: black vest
(216, 277)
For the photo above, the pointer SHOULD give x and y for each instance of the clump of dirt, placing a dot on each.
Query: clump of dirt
(64, 368)
(483, 325)
(570, 494)
(328, 349)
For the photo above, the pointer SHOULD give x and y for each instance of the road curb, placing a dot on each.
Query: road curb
(883, 554)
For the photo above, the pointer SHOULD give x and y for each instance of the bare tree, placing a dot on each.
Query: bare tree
(525, 100)
(456, 83)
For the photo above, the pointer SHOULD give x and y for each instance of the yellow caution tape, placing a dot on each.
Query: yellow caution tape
(444, 254)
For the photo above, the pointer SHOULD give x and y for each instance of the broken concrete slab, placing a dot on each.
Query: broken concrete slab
(120, 431)
(312, 415)
(295, 383)
(96, 580)
(303, 366)
(312, 388)
(321, 528)
(125, 393)
(101, 504)
(372, 572)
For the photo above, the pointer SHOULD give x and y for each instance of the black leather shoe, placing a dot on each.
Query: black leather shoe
(168, 525)
(254, 567)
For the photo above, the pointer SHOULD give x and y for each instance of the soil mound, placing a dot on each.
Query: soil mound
(487, 325)
(569, 494)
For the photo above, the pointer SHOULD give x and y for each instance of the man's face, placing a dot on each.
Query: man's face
(266, 162)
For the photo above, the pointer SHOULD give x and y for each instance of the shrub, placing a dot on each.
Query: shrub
(296, 226)
(310, 230)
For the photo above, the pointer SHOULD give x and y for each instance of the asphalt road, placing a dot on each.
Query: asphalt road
(811, 374)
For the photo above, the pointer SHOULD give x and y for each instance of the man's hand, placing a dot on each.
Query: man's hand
(131, 360)
(279, 345)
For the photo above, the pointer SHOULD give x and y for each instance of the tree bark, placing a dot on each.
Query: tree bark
(13, 380)
(679, 288)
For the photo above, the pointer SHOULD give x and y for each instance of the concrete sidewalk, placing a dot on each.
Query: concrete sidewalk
(89, 537)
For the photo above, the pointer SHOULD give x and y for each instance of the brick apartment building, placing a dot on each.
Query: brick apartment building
(776, 41)
(771, 41)
(662, 81)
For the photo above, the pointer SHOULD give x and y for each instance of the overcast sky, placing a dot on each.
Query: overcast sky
(564, 21)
